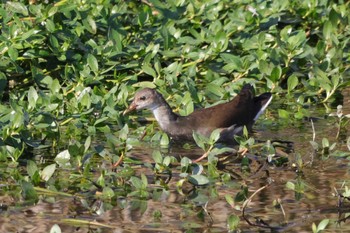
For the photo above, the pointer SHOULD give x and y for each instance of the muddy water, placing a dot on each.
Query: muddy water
(181, 213)
(319, 176)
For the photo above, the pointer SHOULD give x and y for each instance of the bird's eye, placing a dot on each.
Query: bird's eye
(143, 98)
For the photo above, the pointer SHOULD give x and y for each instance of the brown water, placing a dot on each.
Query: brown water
(180, 212)
(185, 213)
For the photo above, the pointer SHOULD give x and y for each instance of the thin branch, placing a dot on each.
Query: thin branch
(245, 204)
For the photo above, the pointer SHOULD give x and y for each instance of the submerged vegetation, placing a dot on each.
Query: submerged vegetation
(68, 70)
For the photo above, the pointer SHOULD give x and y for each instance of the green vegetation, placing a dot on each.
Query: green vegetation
(69, 68)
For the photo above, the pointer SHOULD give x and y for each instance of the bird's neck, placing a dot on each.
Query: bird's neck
(164, 114)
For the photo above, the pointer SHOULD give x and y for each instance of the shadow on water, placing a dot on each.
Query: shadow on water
(306, 195)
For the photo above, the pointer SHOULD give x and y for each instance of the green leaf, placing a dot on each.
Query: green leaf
(276, 74)
(100, 122)
(92, 62)
(144, 180)
(54, 43)
(197, 169)
(50, 25)
(148, 70)
(55, 229)
(200, 140)
(123, 133)
(265, 67)
(87, 144)
(13, 53)
(157, 156)
(233, 62)
(220, 41)
(166, 38)
(90, 24)
(167, 160)
(215, 135)
(164, 140)
(215, 89)
(32, 97)
(198, 180)
(32, 168)
(48, 171)
(108, 192)
(52, 11)
(325, 143)
(283, 113)
(292, 82)
(185, 162)
(232, 222)
(296, 40)
(323, 224)
(136, 182)
(28, 191)
(229, 200)
(314, 228)
(143, 17)
(327, 30)
(290, 185)
(55, 86)
(144, 84)
(63, 158)
(17, 7)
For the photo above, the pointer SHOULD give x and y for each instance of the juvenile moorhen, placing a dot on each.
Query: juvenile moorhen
(230, 117)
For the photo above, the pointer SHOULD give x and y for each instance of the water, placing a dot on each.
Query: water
(207, 209)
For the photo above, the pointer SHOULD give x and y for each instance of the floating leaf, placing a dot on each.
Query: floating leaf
(157, 156)
(198, 180)
(167, 160)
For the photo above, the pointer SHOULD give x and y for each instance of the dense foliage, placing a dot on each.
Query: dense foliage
(69, 68)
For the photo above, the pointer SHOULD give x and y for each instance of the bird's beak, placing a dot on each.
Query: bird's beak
(131, 108)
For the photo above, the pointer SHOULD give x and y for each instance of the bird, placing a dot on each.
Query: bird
(229, 118)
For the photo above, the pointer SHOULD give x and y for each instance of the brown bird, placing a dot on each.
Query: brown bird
(230, 117)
